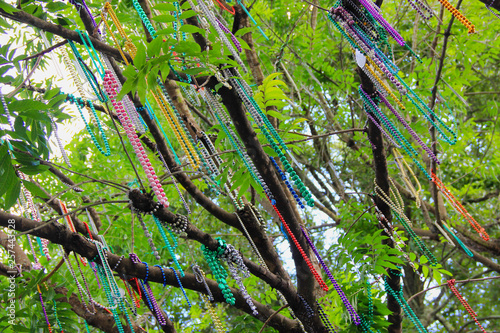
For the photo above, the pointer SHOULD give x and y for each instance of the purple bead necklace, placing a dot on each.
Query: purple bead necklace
(376, 15)
(350, 308)
(149, 293)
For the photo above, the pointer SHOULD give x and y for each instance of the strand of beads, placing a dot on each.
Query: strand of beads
(462, 245)
(459, 16)
(389, 230)
(55, 314)
(218, 271)
(169, 246)
(35, 214)
(235, 264)
(181, 136)
(376, 15)
(451, 285)
(398, 296)
(79, 104)
(309, 310)
(43, 307)
(271, 135)
(91, 79)
(290, 187)
(59, 143)
(7, 113)
(352, 312)
(410, 130)
(204, 7)
(200, 278)
(459, 207)
(146, 233)
(197, 155)
(324, 319)
(110, 85)
(367, 322)
(398, 210)
(89, 300)
(153, 305)
(216, 109)
(315, 273)
(372, 106)
(227, 31)
(113, 294)
(420, 7)
(180, 285)
(401, 166)
(25, 211)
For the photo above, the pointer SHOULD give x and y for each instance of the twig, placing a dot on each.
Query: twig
(445, 284)
(59, 264)
(47, 50)
(360, 216)
(271, 316)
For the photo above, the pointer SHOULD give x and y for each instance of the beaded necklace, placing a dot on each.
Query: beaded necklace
(389, 230)
(194, 151)
(146, 232)
(43, 307)
(24, 205)
(398, 296)
(316, 275)
(153, 305)
(377, 16)
(110, 84)
(324, 318)
(218, 271)
(79, 102)
(35, 215)
(113, 294)
(88, 73)
(181, 136)
(451, 285)
(459, 207)
(402, 166)
(170, 248)
(59, 143)
(271, 135)
(216, 109)
(354, 316)
(372, 106)
(55, 314)
(200, 278)
(205, 8)
(462, 245)
(398, 210)
(459, 16)
(81, 291)
(7, 112)
(367, 321)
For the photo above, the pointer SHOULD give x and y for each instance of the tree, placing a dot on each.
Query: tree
(198, 159)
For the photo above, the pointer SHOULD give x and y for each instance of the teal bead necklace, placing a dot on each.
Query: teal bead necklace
(152, 116)
(79, 102)
(271, 135)
(370, 105)
(220, 274)
(170, 248)
(88, 74)
(398, 296)
(55, 315)
(113, 294)
(367, 321)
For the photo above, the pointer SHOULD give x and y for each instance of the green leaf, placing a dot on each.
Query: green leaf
(188, 14)
(55, 6)
(8, 8)
(34, 190)
(34, 169)
(167, 18)
(140, 57)
(168, 7)
(191, 29)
